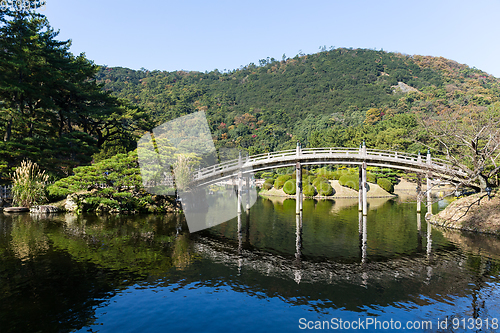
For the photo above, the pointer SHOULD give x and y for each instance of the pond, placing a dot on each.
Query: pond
(266, 270)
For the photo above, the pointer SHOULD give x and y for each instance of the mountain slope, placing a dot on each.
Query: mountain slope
(270, 106)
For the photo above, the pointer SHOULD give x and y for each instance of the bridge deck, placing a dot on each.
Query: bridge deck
(350, 156)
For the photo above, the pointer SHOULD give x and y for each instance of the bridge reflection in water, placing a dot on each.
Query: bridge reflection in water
(300, 269)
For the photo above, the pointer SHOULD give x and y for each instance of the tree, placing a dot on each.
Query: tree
(50, 99)
(113, 184)
(373, 115)
(469, 137)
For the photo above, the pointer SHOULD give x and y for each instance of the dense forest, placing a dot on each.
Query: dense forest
(62, 110)
(332, 98)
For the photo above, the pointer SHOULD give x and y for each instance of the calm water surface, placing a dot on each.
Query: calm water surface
(267, 270)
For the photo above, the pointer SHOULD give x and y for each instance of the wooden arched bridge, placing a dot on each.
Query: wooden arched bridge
(363, 157)
(346, 156)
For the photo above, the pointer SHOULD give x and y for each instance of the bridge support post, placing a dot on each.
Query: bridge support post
(364, 190)
(240, 189)
(240, 184)
(298, 188)
(240, 244)
(429, 190)
(248, 192)
(419, 193)
(429, 185)
(364, 240)
(360, 203)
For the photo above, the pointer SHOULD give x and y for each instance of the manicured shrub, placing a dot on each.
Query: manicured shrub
(371, 177)
(318, 180)
(280, 181)
(325, 189)
(266, 175)
(267, 186)
(269, 181)
(351, 181)
(310, 179)
(309, 191)
(320, 171)
(336, 175)
(289, 187)
(386, 184)
(325, 173)
(305, 173)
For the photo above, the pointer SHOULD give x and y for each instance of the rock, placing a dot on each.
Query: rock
(44, 209)
(102, 208)
(403, 87)
(73, 202)
(16, 209)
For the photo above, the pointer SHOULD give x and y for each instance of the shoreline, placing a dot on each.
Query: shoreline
(475, 213)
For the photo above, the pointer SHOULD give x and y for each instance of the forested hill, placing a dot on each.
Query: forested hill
(63, 111)
(335, 97)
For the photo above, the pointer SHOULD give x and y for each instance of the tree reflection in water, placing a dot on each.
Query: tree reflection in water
(56, 271)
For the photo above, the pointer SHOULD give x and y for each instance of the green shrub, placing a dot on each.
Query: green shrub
(371, 177)
(351, 181)
(289, 187)
(269, 181)
(386, 184)
(336, 175)
(319, 171)
(305, 173)
(325, 173)
(310, 179)
(267, 186)
(325, 189)
(266, 175)
(309, 191)
(280, 181)
(318, 180)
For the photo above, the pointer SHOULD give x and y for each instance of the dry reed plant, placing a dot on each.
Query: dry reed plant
(29, 185)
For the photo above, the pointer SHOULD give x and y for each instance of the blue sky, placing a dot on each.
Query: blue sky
(205, 35)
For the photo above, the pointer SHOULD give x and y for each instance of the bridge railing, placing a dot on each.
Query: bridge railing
(330, 151)
(233, 165)
(267, 156)
(436, 163)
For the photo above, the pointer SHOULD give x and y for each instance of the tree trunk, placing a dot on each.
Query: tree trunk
(61, 123)
(483, 182)
(30, 133)
(100, 138)
(8, 131)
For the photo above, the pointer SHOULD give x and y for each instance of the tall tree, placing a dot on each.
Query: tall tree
(49, 97)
